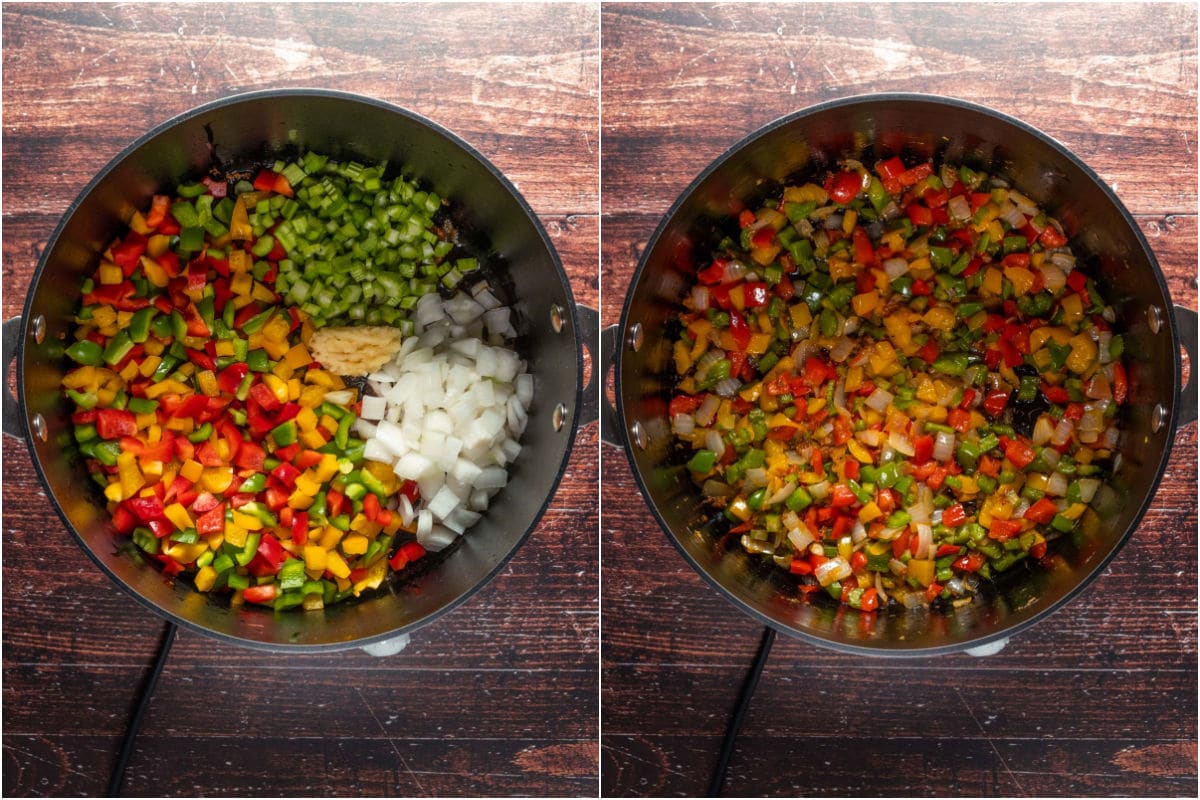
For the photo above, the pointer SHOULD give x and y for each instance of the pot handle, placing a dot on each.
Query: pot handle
(1185, 321)
(589, 329)
(388, 647)
(610, 432)
(13, 424)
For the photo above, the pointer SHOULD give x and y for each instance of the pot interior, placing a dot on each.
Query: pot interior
(804, 146)
(492, 218)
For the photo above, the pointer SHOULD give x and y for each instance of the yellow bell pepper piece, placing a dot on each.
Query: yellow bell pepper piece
(206, 578)
(110, 273)
(808, 193)
(330, 537)
(993, 281)
(1020, 278)
(869, 512)
(1072, 307)
(375, 575)
(250, 523)
(216, 479)
(179, 516)
(355, 544)
(113, 492)
(314, 557)
(1083, 354)
(866, 303)
(337, 566)
(939, 317)
(235, 534)
(239, 223)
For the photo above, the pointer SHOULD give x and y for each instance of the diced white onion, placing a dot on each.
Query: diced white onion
(943, 446)
(683, 424)
(879, 400)
(700, 298)
(1056, 484)
(832, 570)
(450, 408)
(708, 410)
(1088, 488)
(895, 267)
(715, 442)
(901, 444)
(800, 536)
(924, 541)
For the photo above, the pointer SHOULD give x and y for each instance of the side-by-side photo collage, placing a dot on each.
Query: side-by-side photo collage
(599, 399)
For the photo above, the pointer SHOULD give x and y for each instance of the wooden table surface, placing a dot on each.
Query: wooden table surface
(1099, 699)
(498, 697)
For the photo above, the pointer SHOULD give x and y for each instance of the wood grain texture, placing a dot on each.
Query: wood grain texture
(497, 698)
(1098, 699)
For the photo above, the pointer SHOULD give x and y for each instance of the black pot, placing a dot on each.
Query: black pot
(490, 215)
(915, 127)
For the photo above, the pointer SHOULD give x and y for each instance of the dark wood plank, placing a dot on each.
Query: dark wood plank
(499, 697)
(1096, 699)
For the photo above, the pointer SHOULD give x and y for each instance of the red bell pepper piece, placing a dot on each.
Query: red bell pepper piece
(851, 469)
(763, 237)
(994, 402)
(714, 273)
(145, 508)
(129, 251)
(197, 274)
(845, 187)
(286, 474)
(1056, 394)
(922, 448)
(205, 502)
(740, 331)
(929, 351)
(201, 359)
(1042, 511)
(230, 378)
(971, 562)
(756, 294)
(864, 253)
(952, 517)
(286, 412)
(211, 521)
(1019, 453)
(301, 458)
(412, 491)
(275, 498)
(959, 419)
(1077, 281)
(263, 593)
(112, 423)
(407, 552)
(208, 455)
(684, 404)
(1003, 529)
(159, 206)
(261, 394)
(1051, 237)
(250, 455)
(919, 214)
(196, 326)
(264, 181)
(300, 527)
(269, 557)
(841, 496)
(1017, 260)
(370, 506)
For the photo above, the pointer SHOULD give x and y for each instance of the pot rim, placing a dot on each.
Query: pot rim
(267, 94)
(903, 648)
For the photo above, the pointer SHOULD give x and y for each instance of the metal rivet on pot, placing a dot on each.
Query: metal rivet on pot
(37, 328)
(558, 417)
(556, 318)
(38, 426)
(638, 434)
(635, 337)
(1154, 317)
(1158, 417)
